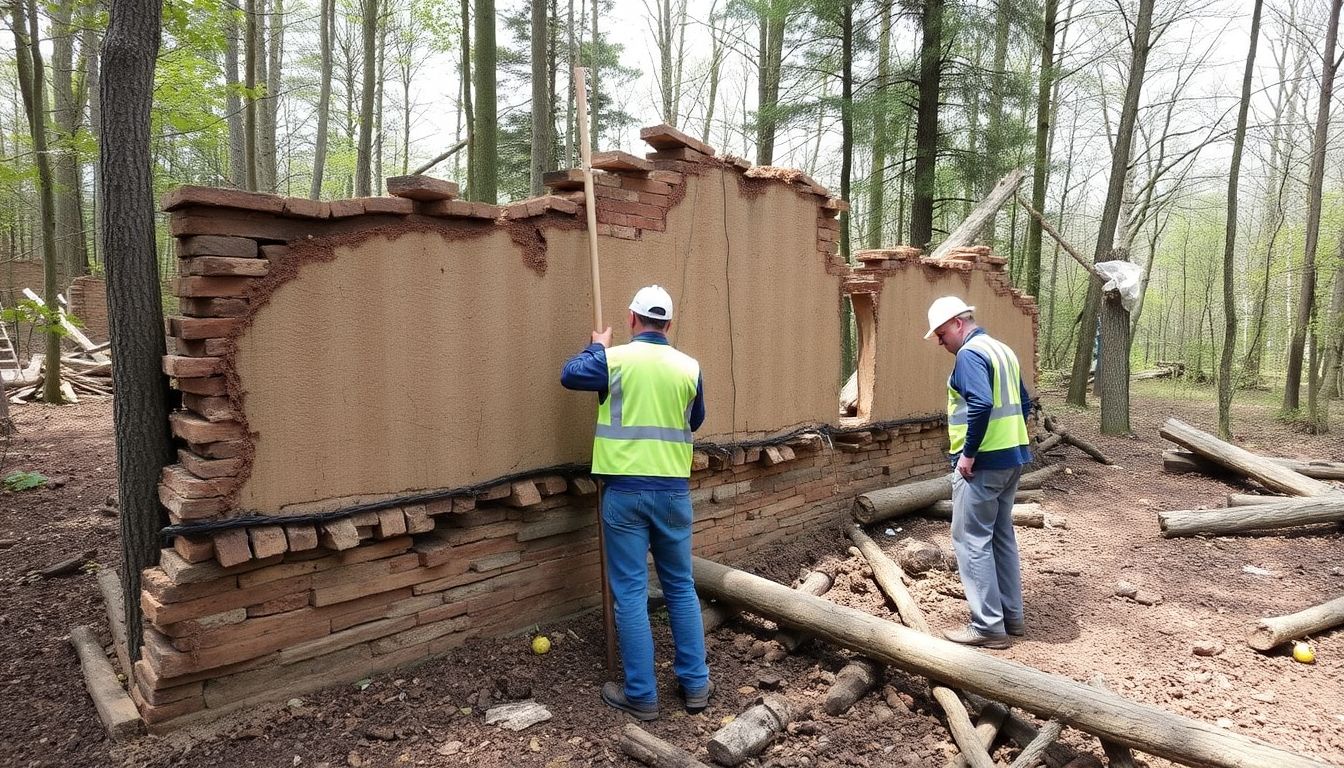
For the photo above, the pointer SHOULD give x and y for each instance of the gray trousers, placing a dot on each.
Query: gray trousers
(986, 547)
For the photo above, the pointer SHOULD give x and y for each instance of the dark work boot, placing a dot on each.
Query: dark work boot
(614, 696)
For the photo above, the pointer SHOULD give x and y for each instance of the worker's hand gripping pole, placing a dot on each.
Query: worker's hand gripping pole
(590, 206)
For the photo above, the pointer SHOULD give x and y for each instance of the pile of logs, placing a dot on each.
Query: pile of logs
(1306, 499)
(1162, 369)
(80, 376)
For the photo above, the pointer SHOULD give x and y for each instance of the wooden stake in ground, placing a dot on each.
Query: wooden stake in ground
(1288, 513)
(1242, 461)
(590, 205)
(1140, 726)
(888, 576)
(653, 751)
(1270, 633)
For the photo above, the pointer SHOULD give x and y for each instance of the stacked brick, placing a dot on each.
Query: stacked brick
(428, 577)
(87, 296)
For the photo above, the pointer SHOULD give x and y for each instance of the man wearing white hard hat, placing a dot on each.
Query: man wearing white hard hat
(987, 407)
(650, 399)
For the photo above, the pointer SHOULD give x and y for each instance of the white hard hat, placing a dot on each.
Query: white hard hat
(654, 302)
(943, 309)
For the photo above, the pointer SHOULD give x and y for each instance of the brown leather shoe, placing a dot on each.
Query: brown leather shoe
(968, 636)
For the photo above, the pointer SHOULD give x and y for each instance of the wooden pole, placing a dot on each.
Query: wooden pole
(888, 575)
(1140, 726)
(898, 500)
(1272, 632)
(1177, 462)
(590, 204)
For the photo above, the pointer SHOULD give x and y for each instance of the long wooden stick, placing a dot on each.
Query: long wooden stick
(586, 153)
(590, 203)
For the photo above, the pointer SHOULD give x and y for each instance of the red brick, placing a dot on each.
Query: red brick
(186, 196)
(194, 549)
(232, 547)
(188, 486)
(212, 286)
(301, 537)
(216, 347)
(196, 307)
(423, 188)
(224, 449)
(664, 137)
(224, 266)
(215, 600)
(183, 367)
(304, 208)
(211, 408)
(341, 209)
(195, 429)
(217, 245)
(202, 327)
(394, 205)
(181, 509)
(267, 540)
(279, 605)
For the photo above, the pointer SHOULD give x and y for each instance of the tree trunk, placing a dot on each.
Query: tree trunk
(717, 45)
(251, 54)
(1289, 513)
(1040, 169)
(1307, 296)
(877, 180)
(486, 132)
(772, 24)
(1104, 714)
(90, 45)
(852, 683)
(274, 25)
(1272, 632)
(67, 112)
(1025, 515)
(1113, 368)
(815, 583)
(847, 341)
(233, 105)
(1333, 332)
(750, 732)
(32, 85)
(1242, 461)
(327, 20)
(1110, 215)
(364, 150)
(1229, 350)
(541, 98)
(377, 180)
(135, 308)
(468, 104)
(968, 231)
(926, 124)
(593, 74)
(996, 143)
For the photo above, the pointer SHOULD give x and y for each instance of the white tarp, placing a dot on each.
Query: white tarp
(1125, 277)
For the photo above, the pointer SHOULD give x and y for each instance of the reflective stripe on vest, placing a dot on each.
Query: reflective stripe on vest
(643, 426)
(1007, 428)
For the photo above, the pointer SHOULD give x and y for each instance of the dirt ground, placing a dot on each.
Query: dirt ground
(432, 715)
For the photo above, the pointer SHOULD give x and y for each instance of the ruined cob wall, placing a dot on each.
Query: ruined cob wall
(392, 364)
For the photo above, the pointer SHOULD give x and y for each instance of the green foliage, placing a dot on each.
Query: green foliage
(23, 481)
(40, 316)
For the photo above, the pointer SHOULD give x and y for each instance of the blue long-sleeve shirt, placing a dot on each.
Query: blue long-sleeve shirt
(973, 379)
(587, 372)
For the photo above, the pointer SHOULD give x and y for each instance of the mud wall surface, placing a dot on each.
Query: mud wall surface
(412, 361)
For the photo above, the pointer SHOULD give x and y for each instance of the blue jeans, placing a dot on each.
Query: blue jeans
(634, 524)
(986, 547)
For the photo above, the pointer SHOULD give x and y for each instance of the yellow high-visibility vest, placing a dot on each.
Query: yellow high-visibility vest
(1007, 427)
(643, 427)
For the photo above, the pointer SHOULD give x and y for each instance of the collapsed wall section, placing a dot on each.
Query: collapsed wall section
(377, 462)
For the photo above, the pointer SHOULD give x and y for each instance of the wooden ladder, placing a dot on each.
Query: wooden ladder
(8, 357)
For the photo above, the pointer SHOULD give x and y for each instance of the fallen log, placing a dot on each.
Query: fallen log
(898, 500)
(1047, 735)
(852, 683)
(1117, 755)
(969, 229)
(1251, 499)
(1269, 633)
(1178, 462)
(889, 579)
(715, 615)
(1084, 446)
(653, 751)
(1022, 733)
(1047, 443)
(1104, 714)
(1257, 517)
(986, 729)
(1024, 515)
(1242, 461)
(752, 731)
(113, 705)
(815, 583)
(67, 566)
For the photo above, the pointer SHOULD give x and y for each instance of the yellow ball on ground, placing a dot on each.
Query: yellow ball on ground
(541, 644)
(1303, 652)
